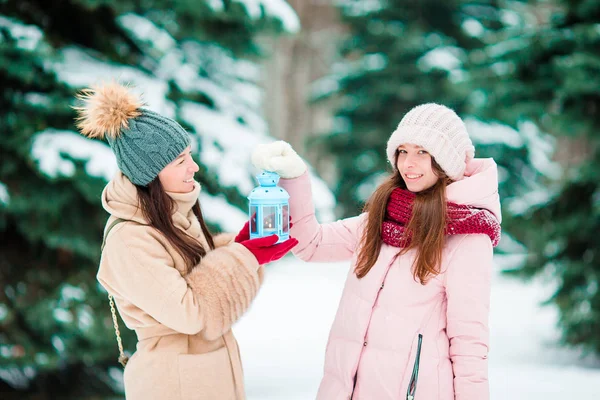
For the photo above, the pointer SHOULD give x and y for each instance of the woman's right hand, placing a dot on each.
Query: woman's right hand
(265, 250)
(278, 157)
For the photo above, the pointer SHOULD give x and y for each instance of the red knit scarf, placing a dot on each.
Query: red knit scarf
(461, 220)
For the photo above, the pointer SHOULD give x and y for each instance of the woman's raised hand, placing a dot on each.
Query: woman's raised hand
(278, 157)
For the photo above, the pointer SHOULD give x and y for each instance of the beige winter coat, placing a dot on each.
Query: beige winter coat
(185, 349)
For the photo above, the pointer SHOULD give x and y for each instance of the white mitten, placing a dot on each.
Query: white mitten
(278, 157)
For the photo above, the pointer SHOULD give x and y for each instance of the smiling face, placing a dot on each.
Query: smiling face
(415, 166)
(178, 176)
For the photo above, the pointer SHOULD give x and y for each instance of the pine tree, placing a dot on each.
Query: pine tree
(56, 337)
(399, 54)
(547, 70)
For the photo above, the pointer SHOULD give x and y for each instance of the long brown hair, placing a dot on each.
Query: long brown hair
(158, 207)
(426, 226)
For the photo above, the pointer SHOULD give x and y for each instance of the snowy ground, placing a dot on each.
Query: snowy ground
(283, 338)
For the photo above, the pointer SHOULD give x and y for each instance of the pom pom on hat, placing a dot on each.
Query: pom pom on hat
(107, 110)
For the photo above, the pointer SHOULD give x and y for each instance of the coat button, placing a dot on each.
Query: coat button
(382, 286)
(365, 343)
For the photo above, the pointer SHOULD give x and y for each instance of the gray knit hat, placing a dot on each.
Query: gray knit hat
(143, 141)
(438, 130)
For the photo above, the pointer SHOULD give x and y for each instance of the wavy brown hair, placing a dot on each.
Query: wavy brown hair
(426, 227)
(158, 207)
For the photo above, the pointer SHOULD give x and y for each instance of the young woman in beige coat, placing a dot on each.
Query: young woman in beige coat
(176, 285)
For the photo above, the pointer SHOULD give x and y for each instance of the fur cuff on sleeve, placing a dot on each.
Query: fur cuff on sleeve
(225, 283)
(223, 239)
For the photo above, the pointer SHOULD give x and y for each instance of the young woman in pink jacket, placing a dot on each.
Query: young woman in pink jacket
(413, 318)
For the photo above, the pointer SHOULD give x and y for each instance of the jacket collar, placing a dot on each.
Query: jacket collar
(478, 188)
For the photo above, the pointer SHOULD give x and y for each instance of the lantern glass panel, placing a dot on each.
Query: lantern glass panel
(285, 216)
(253, 225)
(269, 219)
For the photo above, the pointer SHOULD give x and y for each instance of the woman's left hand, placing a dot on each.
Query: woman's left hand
(244, 233)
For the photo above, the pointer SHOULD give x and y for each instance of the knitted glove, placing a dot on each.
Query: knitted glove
(265, 252)
(278, 157)
(244, 233)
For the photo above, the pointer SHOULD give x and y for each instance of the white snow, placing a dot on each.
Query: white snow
(541, 149)
(473, 27)
(519, 205)
(345, 69)
(510, 17)
(225, 144)
(252, 7)
(233, 99)
(4, 196)
(324, 87)
(143, 29)
(116, 379)
(284, 12)
(62, 315)
(37, 99)
(70, 294)
(85, 317)
(499, 50)
(510, 245)
(490, 133)
(58, 344)
(374, 61)
(219, 63)
(360, 8)
(48, 146)
(283, 338)
(502, 68)
(17, 378)
(28, 37)
(217, 210)
(79, 69)
(216, 5)
(279, 9)
(447, 58)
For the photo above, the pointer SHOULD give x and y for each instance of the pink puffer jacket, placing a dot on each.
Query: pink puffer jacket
(396, 337)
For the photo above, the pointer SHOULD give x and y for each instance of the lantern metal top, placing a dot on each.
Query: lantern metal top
(268, 178)
(268, 191)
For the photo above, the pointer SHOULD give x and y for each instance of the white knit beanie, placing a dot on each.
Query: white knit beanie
(438, 130)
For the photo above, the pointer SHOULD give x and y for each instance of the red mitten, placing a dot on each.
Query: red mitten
(244, 233)
(265, 250)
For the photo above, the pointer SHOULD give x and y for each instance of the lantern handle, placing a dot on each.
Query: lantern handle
(268, 178)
